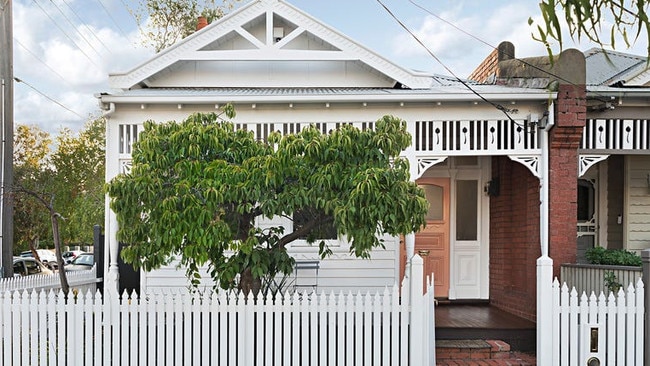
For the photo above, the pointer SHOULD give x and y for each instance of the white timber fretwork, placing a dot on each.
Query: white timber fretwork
(529, 161)
(486, 137)
(424, 163)
(616, 134)
(587, 161)
(433, 141)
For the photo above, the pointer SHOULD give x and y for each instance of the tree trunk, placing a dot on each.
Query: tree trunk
(248, 283)
(57, 248)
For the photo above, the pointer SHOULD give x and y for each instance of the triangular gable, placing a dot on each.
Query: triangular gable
(273, 34)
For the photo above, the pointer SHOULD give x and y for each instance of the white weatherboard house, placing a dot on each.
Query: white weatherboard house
(283, 70)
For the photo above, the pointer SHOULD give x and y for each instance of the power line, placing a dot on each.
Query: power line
(112, 18)
(18, 80)
(503, 109)
(74, 27)
(66, 34)
(128, 10)
(545, 71)
(81, 21)
(41, 61)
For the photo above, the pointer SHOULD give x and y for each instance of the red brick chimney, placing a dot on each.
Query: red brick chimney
(201, 23)
(488, 71)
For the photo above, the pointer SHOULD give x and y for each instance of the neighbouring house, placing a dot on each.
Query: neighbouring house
(479, 151)
(609, 196)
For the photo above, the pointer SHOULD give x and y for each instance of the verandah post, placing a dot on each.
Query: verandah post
(417, 348)
(544, 310)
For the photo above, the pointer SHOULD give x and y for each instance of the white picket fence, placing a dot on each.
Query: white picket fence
(219, 329)
(610, 329)
(79, 281)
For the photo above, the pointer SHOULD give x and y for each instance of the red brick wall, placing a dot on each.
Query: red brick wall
(514, 239)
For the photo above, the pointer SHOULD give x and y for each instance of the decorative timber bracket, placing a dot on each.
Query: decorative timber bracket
(424, 163)
(587, 161)
(529, 161)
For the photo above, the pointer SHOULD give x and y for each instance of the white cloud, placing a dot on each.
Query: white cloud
(62, 65)
(492, 23)
(459, 40)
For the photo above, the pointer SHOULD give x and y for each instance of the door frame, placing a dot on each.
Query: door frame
(483, 173)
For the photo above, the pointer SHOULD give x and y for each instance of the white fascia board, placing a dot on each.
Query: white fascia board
(605, 91)
(443, 97)
(269, 55)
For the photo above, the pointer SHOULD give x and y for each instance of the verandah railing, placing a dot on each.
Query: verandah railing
(220, 329)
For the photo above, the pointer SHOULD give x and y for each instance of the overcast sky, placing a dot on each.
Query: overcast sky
(65, 49)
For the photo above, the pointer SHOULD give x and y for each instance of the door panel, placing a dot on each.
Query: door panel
(432, 242)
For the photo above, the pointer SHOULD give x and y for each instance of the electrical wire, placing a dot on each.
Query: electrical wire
(75, 27)
(41, 61)
(112, 18)
(65, 34)
(494, 47)
(90, 31)
(18, 80)
(128, 10)
(499, 107)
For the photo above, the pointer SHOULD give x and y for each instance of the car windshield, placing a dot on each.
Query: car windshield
(84, 259)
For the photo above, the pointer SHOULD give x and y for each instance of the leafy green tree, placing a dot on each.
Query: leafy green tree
(58, 195)
(165, 22)
(599, 21)
(196, 188)
(31, 171)
(33, 201)
(79, 163)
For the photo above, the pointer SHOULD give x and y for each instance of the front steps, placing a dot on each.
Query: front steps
(479, 352)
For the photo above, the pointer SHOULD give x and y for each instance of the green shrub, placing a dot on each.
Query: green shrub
(611, 282)
(614, 257)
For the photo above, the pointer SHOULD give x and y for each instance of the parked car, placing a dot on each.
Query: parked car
(46, 256)
(26, 266)
(70, 255)
(83, 262)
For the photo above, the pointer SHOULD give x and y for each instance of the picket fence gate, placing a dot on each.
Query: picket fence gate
(609, 329)
(393, 327)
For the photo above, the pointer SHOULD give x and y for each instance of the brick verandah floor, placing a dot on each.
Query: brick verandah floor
(519, 359)
(479, 352)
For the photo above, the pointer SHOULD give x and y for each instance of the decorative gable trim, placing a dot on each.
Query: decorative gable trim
(267, 49)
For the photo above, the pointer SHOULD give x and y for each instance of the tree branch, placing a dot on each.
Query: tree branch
(305, 229)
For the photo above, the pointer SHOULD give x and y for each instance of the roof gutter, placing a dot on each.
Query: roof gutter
(443, 97)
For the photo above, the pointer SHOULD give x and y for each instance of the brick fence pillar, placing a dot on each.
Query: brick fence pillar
(565, 140)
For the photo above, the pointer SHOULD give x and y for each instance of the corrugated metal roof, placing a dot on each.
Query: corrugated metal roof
(605, 67)
(339, 93)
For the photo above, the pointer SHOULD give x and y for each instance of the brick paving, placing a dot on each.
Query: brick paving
(480, 353)
(516, 360)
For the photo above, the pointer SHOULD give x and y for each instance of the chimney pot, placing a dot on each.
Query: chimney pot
(201, 23)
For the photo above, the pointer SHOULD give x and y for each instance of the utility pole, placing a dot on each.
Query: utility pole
(6, 139)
